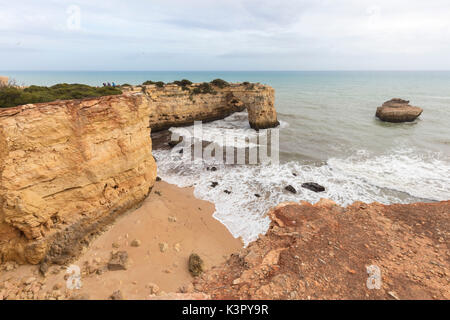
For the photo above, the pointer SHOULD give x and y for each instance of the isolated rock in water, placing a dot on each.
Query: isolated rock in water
(214, 184)
(313, 187)
(398, 110)
(290, 189)
(196, 265)
(118, 261)
(117, 295)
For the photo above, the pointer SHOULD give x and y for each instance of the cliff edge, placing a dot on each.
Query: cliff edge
(67, 168)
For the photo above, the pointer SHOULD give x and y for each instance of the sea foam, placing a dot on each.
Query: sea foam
(398, 176)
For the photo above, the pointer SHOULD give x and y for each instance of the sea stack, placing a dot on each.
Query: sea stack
(398, 110)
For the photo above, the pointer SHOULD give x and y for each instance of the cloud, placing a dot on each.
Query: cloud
(225, 35)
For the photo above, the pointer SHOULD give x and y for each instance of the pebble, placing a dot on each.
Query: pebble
(136, 243)
(393, 294)
(163, 247)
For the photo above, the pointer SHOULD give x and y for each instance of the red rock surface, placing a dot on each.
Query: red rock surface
(322, 251)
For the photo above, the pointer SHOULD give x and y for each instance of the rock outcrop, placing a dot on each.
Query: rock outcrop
(324, 251)
(67, 169)
(174, 106)
(398, 110)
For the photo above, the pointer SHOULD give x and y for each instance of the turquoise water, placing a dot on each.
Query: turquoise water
(329, 135)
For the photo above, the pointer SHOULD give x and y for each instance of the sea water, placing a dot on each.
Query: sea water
(328, 135)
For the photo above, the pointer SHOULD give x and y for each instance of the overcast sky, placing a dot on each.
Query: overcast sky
(225, 35)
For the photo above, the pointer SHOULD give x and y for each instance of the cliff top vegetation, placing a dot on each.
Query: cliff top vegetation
(11, 96)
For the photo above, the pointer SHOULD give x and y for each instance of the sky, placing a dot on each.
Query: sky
(225, 35)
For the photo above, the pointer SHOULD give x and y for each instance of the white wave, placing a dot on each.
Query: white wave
(399, 176)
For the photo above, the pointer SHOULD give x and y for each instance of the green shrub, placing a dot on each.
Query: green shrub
(183, 83)
(14, 96)
(159, 84)
(220, 83)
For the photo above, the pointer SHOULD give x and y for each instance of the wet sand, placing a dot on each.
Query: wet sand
(171, 217)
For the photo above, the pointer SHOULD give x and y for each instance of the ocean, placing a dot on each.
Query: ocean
(328, 135)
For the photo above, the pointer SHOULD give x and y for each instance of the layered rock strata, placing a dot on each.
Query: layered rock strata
(67, 169)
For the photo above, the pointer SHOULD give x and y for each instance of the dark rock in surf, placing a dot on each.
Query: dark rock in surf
(214, 184)
(290, 189)
(313, 187)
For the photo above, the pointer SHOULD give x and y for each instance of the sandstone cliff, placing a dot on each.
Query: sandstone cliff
(174, 105)
(3, 80)
(324, 251)
(66, 169)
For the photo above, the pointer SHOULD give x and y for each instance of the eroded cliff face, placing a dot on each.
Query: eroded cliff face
(67, 168)
(173, 105)
(324, 251)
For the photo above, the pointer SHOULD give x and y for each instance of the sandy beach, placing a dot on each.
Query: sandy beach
(158, 238)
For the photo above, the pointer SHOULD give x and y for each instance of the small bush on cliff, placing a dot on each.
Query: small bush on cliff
(204, 88)
(220, 83)
(14, 96)
(183, 83)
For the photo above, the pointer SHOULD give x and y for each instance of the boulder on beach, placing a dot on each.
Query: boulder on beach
(398, 110)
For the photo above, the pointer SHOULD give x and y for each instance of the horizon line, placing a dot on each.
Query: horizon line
(331, 70)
